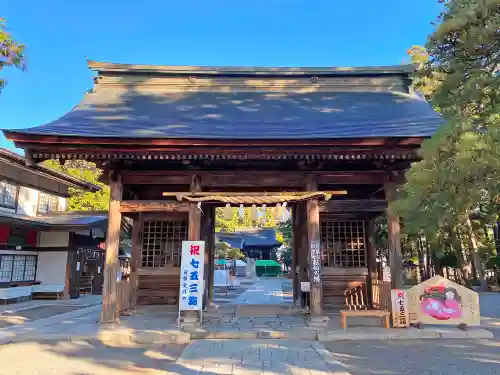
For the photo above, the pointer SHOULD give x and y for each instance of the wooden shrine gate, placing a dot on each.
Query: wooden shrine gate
(167, 137)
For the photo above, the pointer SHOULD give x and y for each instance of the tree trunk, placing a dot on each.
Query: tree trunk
(428, 263)
(457, 247)
(476, 259)
(421, 260)
(496, 236)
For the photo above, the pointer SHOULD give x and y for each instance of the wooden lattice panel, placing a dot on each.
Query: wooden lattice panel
(343, 243)
(162, 242)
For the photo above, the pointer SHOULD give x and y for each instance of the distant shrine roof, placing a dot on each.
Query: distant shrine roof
(171, 102)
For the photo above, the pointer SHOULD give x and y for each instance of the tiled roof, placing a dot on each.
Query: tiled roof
(250, 238)
(19, 161)
(245, 115)
(131, 101)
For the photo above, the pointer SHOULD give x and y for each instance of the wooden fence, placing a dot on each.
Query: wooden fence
(381, 294)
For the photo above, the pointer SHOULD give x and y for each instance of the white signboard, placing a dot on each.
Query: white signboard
(192, 264)
(400, 312)
(305, 286)
(316, 265)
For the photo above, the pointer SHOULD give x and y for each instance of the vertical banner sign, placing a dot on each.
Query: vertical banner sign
(192, 267)
(315, 262)
(400, 312)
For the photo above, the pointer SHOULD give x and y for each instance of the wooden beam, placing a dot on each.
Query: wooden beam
(156, 177)
(134, 142)
(224, 179)
(153, 206)
(109, 295)
(314, 248)
(351, 205)
(394, 239)
(250, 194)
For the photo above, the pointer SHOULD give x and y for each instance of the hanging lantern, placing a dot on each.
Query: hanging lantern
(228, 212)
(253, 213)
(277, 212)
(241, 212)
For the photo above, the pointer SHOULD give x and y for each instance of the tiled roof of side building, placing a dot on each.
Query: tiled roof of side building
(20, 161)
(246, 103)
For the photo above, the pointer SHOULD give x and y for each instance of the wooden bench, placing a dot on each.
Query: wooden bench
(357, 302)
(48, 291)
(371, 313)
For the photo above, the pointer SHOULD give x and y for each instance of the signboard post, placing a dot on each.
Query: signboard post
(191, 283)
(400, 313)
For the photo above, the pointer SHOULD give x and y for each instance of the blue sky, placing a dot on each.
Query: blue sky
(60, 35)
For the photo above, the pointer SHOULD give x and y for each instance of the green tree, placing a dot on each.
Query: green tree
(82, 200)
(225, 251)
(11, 52)
(460, 168)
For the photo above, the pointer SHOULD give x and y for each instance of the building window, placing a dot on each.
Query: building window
(8, 194)
(17, 268)
(47, 203)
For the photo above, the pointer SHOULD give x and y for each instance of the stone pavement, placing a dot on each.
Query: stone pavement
(248, 357)
(265, 291)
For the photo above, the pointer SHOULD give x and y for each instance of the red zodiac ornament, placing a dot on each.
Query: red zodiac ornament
(441, 302)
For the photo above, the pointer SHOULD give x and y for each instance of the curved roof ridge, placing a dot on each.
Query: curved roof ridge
(103, 67)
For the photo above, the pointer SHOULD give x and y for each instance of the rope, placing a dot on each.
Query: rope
(264, 199)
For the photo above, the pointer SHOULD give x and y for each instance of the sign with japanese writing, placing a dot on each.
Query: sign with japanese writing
(315, 263)
(400, 313)
(191, 287)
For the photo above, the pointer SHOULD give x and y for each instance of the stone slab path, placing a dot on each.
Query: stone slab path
(249, 357)
(265, 291)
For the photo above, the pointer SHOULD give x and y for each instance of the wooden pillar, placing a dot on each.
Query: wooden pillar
(314, 249)
(394, 239)
(371, 258)
(194, 230)
(206, 229)
(109, 296)
(194, 233)
(211, 252)
(295, 254)
(303, 246)
(136, 259)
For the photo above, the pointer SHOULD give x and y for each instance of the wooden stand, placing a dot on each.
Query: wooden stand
(371, 313)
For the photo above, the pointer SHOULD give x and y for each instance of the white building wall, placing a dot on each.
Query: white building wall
(53, 239)
(51, 267)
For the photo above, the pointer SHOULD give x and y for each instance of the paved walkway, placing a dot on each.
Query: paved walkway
(246, 357)
(265, 291)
